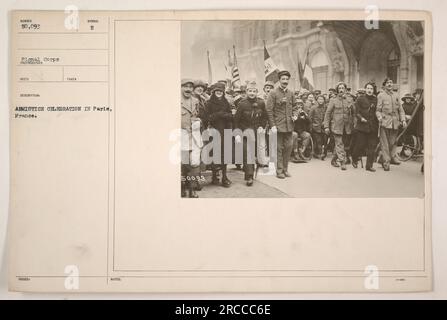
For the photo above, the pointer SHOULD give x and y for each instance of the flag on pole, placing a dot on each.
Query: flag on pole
(236, 80)
(270, 68)
(210, 73)
(308, 78)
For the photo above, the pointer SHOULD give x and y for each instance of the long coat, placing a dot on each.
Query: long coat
(390, 110)
(190, 112)
(250, 114)
(281, 106)
(339, 114)
(416, 127)
(365, 108)
(218, 115)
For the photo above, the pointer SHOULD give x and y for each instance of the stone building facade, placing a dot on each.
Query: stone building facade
(336, 51)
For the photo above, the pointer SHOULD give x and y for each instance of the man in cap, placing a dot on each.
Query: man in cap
(309, 103)
(390, 115)
(282, 111)
(268, 86)
(190, 139)
(301, 132)
(199, 94)
(338, 119)
(331, 93)
(242, 94)
(251, 119)
(316, 116)
(304, 93)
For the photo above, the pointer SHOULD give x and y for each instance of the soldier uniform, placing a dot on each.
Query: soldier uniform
(339, 119)
(190, 142)
(390, 114)
(316, 116)
(281, 107)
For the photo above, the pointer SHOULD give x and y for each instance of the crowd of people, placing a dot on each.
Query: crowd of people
(351, 124)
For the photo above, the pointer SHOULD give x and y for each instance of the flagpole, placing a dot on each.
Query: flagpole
(265, 48)
(210, 74)
(234, 53)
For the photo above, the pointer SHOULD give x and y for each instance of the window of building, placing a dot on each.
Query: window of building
(393, 66)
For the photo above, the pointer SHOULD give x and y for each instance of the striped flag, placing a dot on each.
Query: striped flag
(270, 68)
(236, 79)
(308, 77)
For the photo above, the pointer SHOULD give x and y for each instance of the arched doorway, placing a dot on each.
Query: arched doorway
(379, 58)
(320, 69)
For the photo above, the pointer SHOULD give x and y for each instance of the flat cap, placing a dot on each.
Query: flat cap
(269, 83)
(186, 81)
(284, 73)
(199, 83)
(251, 85)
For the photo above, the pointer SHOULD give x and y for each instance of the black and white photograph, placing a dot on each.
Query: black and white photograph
(234, 152)
(299, 108)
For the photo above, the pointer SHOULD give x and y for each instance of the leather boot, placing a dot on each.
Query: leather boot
(192, 191)
(183, 188)
(334, 162)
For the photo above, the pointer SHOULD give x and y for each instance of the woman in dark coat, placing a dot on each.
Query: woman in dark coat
(366, 128)
(218, 116)
(416, 127)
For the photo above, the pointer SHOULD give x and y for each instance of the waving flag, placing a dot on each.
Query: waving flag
(236, 79)
(270, 69)
(307, 81)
